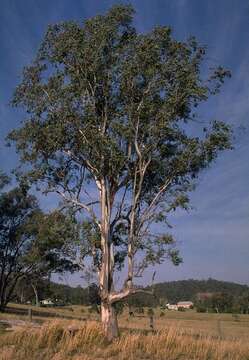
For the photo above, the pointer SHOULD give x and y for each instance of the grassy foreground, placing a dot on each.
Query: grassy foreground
(225, 326)
(54, 342)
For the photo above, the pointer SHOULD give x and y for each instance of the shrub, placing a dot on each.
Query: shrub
(180, 308)
(201, 309)
(150, 312)
(139, 310)
(119, 307)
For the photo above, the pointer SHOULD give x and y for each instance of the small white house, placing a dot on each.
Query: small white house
(171, 307)
(185, 304)
(47, 302)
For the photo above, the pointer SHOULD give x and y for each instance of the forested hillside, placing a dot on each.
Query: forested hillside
(208, 295)
(171, 292)
(175, 291)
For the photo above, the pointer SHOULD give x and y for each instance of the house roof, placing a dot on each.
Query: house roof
(185, 303)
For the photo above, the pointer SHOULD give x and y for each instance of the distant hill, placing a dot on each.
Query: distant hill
(172, 291)
(175, 291)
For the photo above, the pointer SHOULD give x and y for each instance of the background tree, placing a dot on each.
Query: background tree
(242, 303)
(32, 244)
(23, 291)
(31, 289)
(69, 295)
(94, 297)
(111, 128)
(222, 303)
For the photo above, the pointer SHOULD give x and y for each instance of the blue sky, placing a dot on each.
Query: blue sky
(214, 237)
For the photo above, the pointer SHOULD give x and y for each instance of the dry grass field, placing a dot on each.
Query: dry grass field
(178, 336)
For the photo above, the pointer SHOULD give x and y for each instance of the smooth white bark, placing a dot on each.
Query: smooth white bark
(109, 321)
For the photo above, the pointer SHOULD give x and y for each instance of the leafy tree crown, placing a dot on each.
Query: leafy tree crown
(106, 104)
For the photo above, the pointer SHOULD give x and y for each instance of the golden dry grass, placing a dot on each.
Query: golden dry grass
(222, 325)
(208, 324)
(54, 342)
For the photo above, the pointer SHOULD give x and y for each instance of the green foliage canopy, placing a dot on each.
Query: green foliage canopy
(109, 107)
(32, 244)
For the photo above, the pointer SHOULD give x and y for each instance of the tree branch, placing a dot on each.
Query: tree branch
(117, 296)
(80, 205)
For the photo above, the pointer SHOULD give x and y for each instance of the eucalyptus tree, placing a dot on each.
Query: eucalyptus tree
(111, 128)
(32, 244)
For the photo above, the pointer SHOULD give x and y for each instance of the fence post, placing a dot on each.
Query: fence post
(151, 318)
(152, 322)
(30, 314)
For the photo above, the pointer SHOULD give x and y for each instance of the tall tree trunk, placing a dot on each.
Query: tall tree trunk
(37, 302)
(22, 297)
(2, 298)
(109, 320)
(108, 313)
(2, 303)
